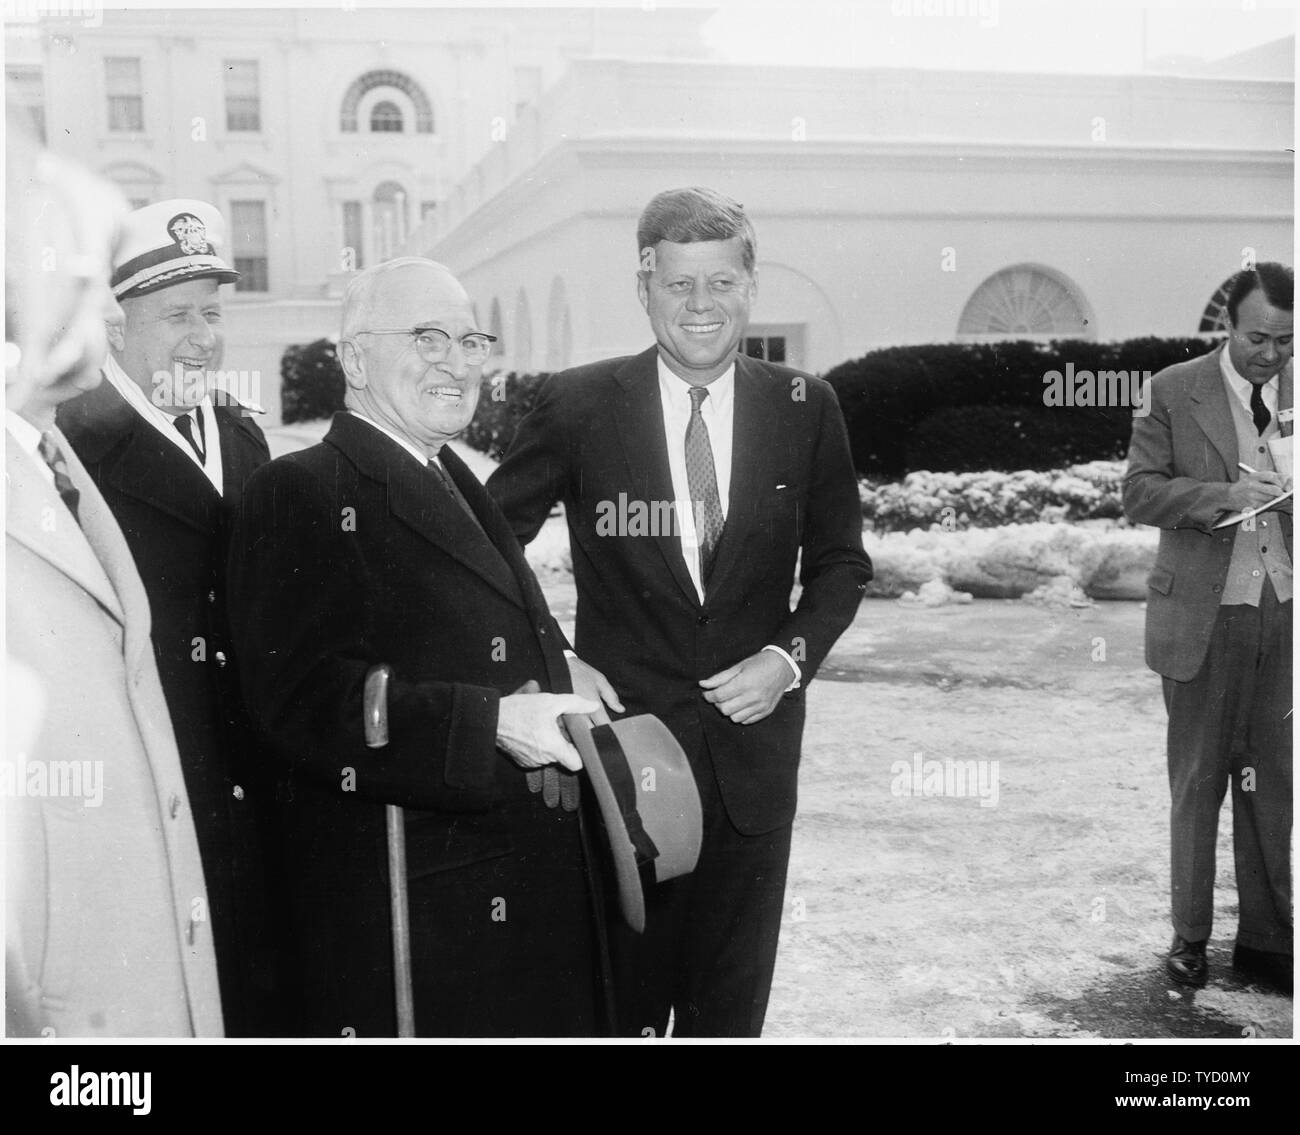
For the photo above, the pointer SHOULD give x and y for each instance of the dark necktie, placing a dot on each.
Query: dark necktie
(441, 473)
(52, 455)
(185, 427)
(702, 480)
(1258, 409)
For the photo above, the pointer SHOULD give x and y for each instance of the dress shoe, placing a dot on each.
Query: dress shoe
(1186, 963)
(1273, 970)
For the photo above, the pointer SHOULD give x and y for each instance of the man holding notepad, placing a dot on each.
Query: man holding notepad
(1210, 466)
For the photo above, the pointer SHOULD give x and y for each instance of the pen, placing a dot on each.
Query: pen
(1244, 467)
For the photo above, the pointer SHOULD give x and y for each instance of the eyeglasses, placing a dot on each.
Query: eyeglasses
(434, 345)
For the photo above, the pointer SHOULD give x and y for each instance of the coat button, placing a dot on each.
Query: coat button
(1254, 573)
(238, 792)
(1217, 588)
(212, 596)
(220, 657)
(704, 620)
(1263, 551)
(174, 805)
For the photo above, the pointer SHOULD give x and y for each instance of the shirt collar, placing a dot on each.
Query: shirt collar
(422, 458)
(24, 433)
(1241, 386)
(136, 399)
(678, 391)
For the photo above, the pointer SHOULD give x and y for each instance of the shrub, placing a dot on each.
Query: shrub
(311, 382)
(909, 408)
(502, 403)
(953, 501)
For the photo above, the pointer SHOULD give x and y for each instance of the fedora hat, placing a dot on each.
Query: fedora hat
(648, 801)
(168, 243)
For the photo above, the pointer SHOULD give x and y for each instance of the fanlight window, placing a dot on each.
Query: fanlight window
(1024, 302)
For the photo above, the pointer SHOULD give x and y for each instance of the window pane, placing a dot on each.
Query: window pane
(124, 88)
(776, 349)
(352, 231)
(252, 270)
(243, 95)
(248, 237)
(386, 118)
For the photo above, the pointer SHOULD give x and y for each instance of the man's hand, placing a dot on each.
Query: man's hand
(590, 683)
(528, 728)
(1253, 490)
(748, 691)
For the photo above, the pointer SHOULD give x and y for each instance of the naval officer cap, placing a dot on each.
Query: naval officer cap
(170, 242)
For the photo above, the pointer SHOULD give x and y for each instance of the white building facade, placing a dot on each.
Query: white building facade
(518, 146)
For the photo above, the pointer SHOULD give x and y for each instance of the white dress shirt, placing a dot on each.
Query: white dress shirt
(29, 437)
(164, 423)
(718, 413)
(422, 458)
(1242, 386)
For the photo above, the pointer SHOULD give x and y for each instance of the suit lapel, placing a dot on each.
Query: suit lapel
(415, 498)
(754, 438)
(639, 416)
(38, 519)
(1210, 410)
(137, 461)
(243, 449)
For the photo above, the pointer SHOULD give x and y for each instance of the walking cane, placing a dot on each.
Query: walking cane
(376, 725)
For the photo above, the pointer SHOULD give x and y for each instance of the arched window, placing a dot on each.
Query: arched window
(1214, 319)
(398, 81)
(1025, 302)
(388, 220)
(386, 118)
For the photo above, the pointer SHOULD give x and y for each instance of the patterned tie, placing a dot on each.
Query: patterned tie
(185, 426)
(1258, 409)
(702, 481)
(440, 471)
(52, 455)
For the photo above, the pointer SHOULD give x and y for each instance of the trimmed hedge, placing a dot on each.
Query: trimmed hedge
(311, 382)
(955, 407)
(502, 403)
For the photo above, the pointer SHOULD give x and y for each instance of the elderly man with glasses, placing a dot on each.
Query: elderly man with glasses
(378, 549)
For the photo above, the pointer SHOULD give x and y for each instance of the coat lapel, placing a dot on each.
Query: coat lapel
(38, 519)
(415, 498)
(1210, 410)
(137, 461)
(639, 415)
(243, 449)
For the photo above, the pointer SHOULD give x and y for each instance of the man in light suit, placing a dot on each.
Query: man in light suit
(170, 449)
(1218, 627)
(107, 931)
(378, 547)
(693, 478)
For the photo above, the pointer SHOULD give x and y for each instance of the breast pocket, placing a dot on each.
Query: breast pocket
(1161, 580)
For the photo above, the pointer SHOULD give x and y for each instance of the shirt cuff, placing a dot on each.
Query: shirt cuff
(570, 654)
(798, 674)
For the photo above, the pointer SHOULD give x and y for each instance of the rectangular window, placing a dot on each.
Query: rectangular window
(768, 347)
(352, 234)
(243, 96)
(26, 89)
(248, 241)
(125, 89)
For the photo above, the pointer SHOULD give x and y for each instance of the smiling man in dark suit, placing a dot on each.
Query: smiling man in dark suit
(171, 452)
(1218, 626)
(378, 547)
(685, 606)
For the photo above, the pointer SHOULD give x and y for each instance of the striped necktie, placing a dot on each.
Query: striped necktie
(702, 480)
(52, 455)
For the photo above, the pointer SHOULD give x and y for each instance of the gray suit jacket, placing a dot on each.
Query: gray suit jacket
(1182, 458)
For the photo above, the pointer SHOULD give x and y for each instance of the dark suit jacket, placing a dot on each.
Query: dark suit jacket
(347, 555)
(1182, 457)
(597, 432)
(178, 529)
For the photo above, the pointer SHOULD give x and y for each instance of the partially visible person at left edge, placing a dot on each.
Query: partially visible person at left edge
(1218, 629)
(171, 452)
(102, 872)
